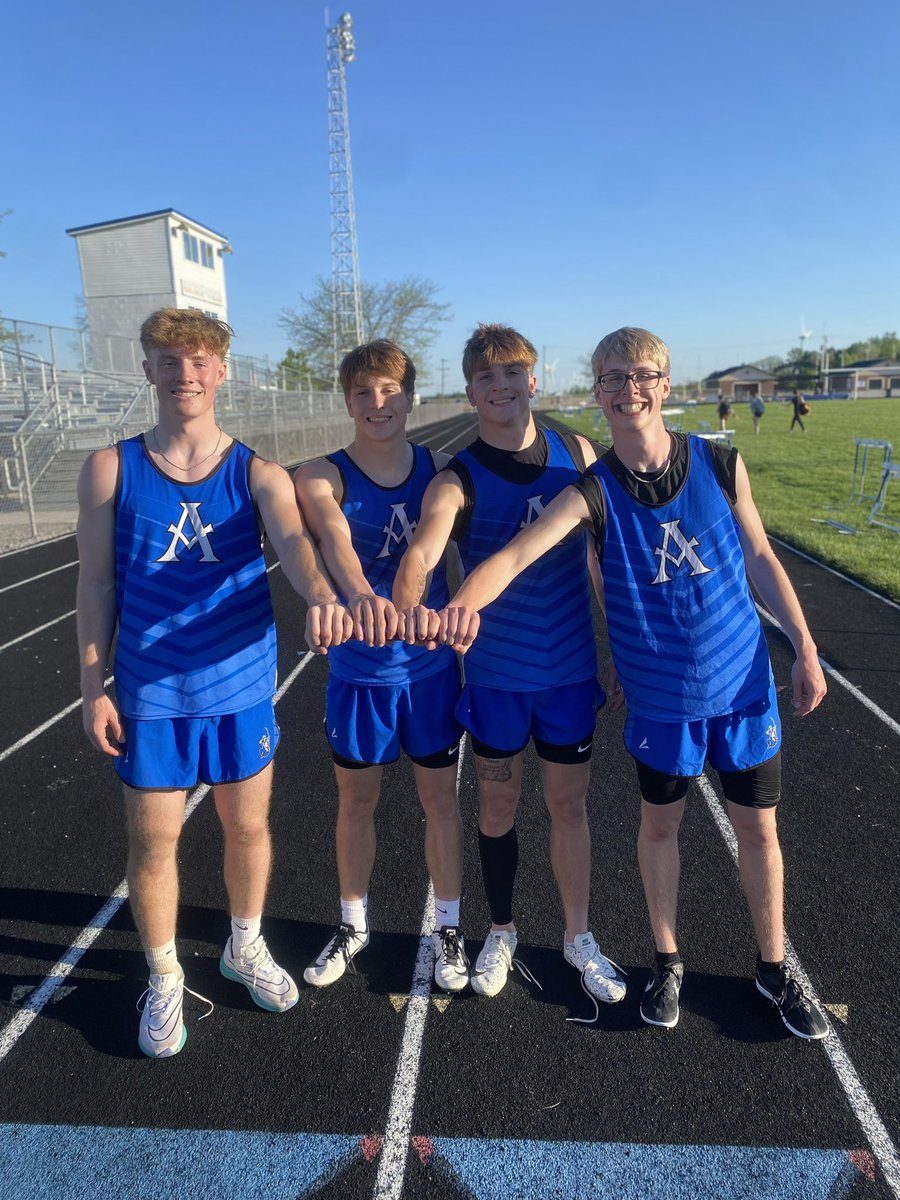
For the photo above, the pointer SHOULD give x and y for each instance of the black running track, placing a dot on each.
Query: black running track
(376, 1087)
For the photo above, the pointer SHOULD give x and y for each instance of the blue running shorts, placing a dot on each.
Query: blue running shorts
(735, 741)
(368, 724)
(502, 722)
(174, 752)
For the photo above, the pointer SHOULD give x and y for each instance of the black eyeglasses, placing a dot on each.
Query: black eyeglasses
(616, 380)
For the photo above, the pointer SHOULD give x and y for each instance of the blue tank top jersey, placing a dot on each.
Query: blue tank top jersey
(196, 630)
(685, 635)
(539, 633)
(382, 521)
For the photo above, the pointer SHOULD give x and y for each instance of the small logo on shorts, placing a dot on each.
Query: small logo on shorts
(333, 732)
(645, 745)
(265, 744)
(772, 734)
(453, 749)
(583, 749)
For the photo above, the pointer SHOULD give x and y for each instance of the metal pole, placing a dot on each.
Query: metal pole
(29, 499)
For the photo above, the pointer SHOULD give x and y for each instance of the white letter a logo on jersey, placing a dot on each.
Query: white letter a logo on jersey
(399, 529)
(535, 508)
(672, 534)
(190, 512)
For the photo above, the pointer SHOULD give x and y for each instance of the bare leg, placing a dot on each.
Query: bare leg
(443, 828)
(762, 875)
(355, 833)
(660, 864)
(243, 809)
(153, 821)
(565, 789)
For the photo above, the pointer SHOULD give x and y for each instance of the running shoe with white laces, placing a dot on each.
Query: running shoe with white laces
(494, 963)
(799, 1012)
(270, 985)
(451, 964)
(600, 977)
(162, 1033)
(659, 1003)
(337, 957)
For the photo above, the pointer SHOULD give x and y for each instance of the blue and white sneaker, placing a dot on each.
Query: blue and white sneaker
(270, 985)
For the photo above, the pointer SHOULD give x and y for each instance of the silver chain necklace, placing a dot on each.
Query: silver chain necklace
(646, 477)
(198, 463)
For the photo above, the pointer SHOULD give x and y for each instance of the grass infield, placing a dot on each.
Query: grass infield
(801, 481)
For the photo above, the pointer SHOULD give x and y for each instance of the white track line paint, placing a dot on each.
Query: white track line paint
(394, 1150)
(40, 629)
(839, 678)
(43, 575)
(43, 994)
(831, 571)
(29, 737)
(60, 537)
(858, 1098)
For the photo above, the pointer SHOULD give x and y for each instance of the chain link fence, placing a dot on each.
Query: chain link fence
(53, 413)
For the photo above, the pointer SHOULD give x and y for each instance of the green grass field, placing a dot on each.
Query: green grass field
(801, 480)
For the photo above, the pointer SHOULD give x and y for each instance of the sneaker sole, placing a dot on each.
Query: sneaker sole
(480, 990)
(452, 985)
(806, 1037)
(660, 1024)
(233, 975)
(170, 1052)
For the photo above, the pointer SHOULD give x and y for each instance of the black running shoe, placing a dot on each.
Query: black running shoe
(659, 1003)
(801, 1015)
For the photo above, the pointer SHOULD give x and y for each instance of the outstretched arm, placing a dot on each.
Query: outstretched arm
(96, 597)
(771, 582)
(567, 511)
(318, 487)
(328, 622)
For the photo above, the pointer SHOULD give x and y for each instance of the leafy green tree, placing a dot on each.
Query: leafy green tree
(405, 311)
(295, 373)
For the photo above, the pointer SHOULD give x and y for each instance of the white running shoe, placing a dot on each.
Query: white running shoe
(270, 985)
(494, 963)
(600, 977)
(162, 1033)
(451, 964)
(337, 957)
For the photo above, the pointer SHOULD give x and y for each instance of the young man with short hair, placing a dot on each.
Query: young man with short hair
(361, 505)
(677, 534)
(171, 563)
(521, 684)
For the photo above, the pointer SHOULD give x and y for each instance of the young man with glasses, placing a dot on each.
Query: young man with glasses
(520, 684)
(677, 534)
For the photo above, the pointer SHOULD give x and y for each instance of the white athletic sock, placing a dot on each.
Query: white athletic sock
(446, 913)
(244, 930)
(356, 913)
(162, 960)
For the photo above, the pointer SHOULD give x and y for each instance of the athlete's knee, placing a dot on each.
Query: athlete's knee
(660, 822)
(755, 827)
(567, 808)
(497, 812)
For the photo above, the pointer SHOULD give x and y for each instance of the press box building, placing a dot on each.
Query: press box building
(134, 265)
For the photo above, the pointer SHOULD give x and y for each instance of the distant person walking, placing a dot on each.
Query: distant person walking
(724, 412)
(801, 408)
(757, 410)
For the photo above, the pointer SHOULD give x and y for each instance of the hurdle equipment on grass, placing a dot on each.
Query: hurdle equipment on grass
(860, 461)
(890, 471)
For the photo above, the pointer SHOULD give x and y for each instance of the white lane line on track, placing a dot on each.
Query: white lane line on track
(44, 993)
(817, 562)
(392, 1160)
(40, 629)
(858, 1098)
(839, 678)
(43, 575)
(60, 537)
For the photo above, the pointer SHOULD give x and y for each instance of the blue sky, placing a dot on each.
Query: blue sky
(715, 172)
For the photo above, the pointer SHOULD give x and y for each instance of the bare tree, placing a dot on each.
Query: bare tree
(404, 310)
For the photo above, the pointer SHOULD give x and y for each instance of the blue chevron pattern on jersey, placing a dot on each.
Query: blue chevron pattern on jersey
(539, 632)
(685, 635)
(196, 629)
(382, 521)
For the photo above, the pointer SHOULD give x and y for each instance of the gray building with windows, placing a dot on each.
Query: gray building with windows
(134, 265)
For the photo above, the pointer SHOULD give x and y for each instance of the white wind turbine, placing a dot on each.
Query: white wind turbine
(805, 335)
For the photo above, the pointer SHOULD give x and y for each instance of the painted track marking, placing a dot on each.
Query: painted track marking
(858, 1098)
(44, 993)
(32, 578)
(392, 1162)
(40, 629)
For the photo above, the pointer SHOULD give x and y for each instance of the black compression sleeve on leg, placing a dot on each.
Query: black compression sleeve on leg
(499, 860)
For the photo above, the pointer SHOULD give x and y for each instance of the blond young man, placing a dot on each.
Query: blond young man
(521, 684)
(677, 534)
(169, 538)
(361, 505)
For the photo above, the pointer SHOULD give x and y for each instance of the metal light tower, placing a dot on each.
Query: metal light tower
(346, 301)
